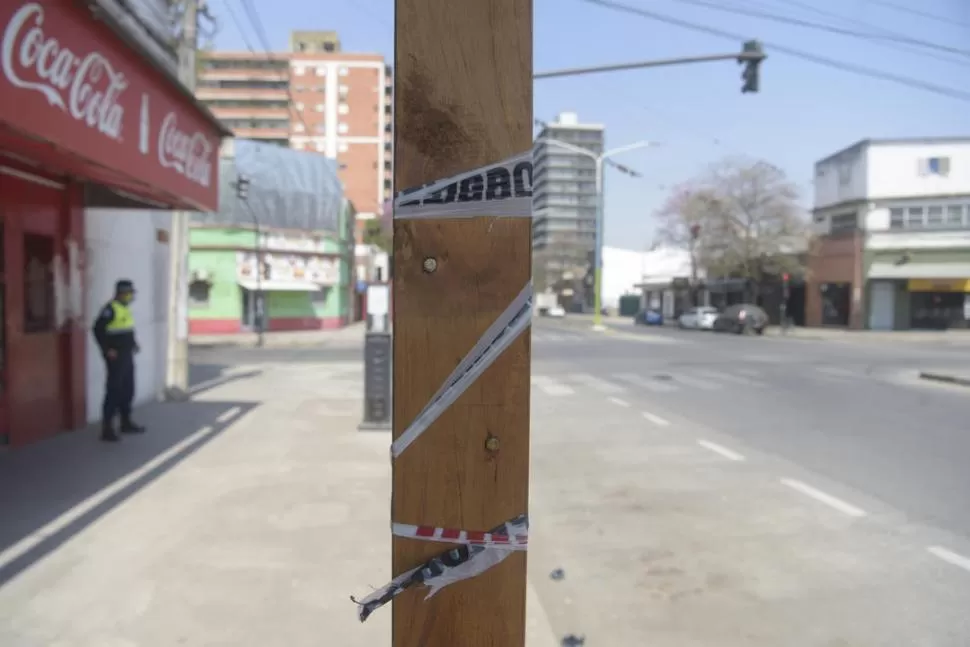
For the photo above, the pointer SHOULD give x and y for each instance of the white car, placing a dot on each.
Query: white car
(556, 311)
(701, 318)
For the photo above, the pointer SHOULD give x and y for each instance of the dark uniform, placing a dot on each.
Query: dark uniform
(114, 330)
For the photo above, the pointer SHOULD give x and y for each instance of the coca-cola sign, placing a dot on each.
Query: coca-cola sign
(85, 86)
(190, 155)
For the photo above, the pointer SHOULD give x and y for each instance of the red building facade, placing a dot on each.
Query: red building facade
(86, 120)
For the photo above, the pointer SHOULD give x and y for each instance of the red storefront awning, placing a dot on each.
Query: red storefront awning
(75, 99)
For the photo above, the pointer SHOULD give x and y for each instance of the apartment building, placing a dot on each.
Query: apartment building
(893, 219)
(564, 202)
(314, 97)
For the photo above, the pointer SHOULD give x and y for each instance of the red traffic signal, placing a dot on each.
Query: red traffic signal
(785, 277)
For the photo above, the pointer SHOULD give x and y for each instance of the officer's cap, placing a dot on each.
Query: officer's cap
(124, 285)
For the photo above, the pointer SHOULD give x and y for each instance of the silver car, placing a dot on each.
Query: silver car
(700, 318)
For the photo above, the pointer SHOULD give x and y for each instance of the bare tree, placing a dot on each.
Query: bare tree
(740, 218)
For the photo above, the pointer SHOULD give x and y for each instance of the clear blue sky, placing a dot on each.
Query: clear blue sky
(803, 112)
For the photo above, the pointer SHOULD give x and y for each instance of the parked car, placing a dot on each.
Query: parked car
(556, 311)
(700, 318)
(649, 317)
(742, 319)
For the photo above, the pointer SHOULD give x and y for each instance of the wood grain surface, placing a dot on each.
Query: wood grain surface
(463, 99)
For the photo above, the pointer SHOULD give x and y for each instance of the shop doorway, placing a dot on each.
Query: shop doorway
(34, 390)
(836, 303)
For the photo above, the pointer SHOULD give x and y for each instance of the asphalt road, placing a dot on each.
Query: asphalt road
(852, 412)
(700, 489)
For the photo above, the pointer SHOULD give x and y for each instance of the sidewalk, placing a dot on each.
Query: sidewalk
(244, 518)
(352, 333)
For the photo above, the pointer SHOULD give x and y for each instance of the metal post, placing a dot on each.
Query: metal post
(598, 252)
(177, 357)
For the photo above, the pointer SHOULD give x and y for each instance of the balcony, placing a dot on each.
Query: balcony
(242, 94)
(262, 133)
(224, 114)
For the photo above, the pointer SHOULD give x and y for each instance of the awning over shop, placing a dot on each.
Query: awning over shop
(281, 286)
(79, 101)
(919, 271)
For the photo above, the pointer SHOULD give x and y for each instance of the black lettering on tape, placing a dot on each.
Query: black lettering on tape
(471, 189)
(498, 184)
(522, 179)
(444, 195)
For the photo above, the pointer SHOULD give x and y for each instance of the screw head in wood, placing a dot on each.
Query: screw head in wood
(430, 265)
(491, 444)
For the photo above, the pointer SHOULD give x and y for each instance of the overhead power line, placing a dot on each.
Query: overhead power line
(922, 14)
(878, 28)
(870, 35)
(852, 68)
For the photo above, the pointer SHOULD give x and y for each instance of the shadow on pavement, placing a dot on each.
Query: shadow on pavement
(54, 489)
(203, 377)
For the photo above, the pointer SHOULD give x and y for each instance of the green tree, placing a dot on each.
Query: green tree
(374, 234)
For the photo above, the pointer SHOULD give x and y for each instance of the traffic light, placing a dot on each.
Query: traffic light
(751, 64)
(242, 187)
(785, 289)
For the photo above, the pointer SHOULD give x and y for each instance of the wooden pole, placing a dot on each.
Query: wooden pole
(462, 100)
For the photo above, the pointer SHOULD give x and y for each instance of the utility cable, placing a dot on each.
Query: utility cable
(859, 70)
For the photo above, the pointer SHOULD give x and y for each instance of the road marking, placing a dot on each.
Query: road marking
(827, 499)
(618, 402)
(651, 385)
(228, 414)
(596, 383)
(720, 449)
(950, 557)
(835, 372)
(739, 378)
(551, 387)
(31, 541)
(695, 382)
(655, 419)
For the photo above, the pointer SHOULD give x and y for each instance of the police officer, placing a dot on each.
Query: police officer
(114, 329)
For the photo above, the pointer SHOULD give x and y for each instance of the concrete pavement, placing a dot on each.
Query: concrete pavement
(247, 516)
(351, 334)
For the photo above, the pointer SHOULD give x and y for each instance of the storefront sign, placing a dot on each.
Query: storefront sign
(68, 80)
(279, 267)
(939, 285)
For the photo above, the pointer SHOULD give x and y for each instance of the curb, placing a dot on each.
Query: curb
(945, 378)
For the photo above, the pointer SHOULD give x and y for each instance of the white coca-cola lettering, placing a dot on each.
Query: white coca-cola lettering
(86, 87)
(190, 155)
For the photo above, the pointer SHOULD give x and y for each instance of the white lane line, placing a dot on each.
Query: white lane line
(550, 386)
(721, 449)
(651, 385)
(950, 557)
(22, 547)
(731, 378)
(655, 419)
(697, 383)
(596, 383)
(228, 414)
(827, 499)
(835, 372)
(618, 402)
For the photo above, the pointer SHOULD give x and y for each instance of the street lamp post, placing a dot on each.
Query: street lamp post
(600, 174)
(242, 193)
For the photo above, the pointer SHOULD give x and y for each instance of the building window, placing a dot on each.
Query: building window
(321, 70)
(342, 128)
(199, 294)
(934, 216)
(897, 219)
(387, 185)
(954, 215)
(319, 107)
(299, 105)
(343, 90)
(299, 70)
(844, 222)
(343, 70)
(319, 297)
(301, 47)
(343, 108)
(320, 128)
(914, 217)
(320, 146)
(343, 147)
(298, 128)
(38, 283)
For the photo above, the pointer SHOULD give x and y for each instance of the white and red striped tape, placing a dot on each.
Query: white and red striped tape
(466, 537)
